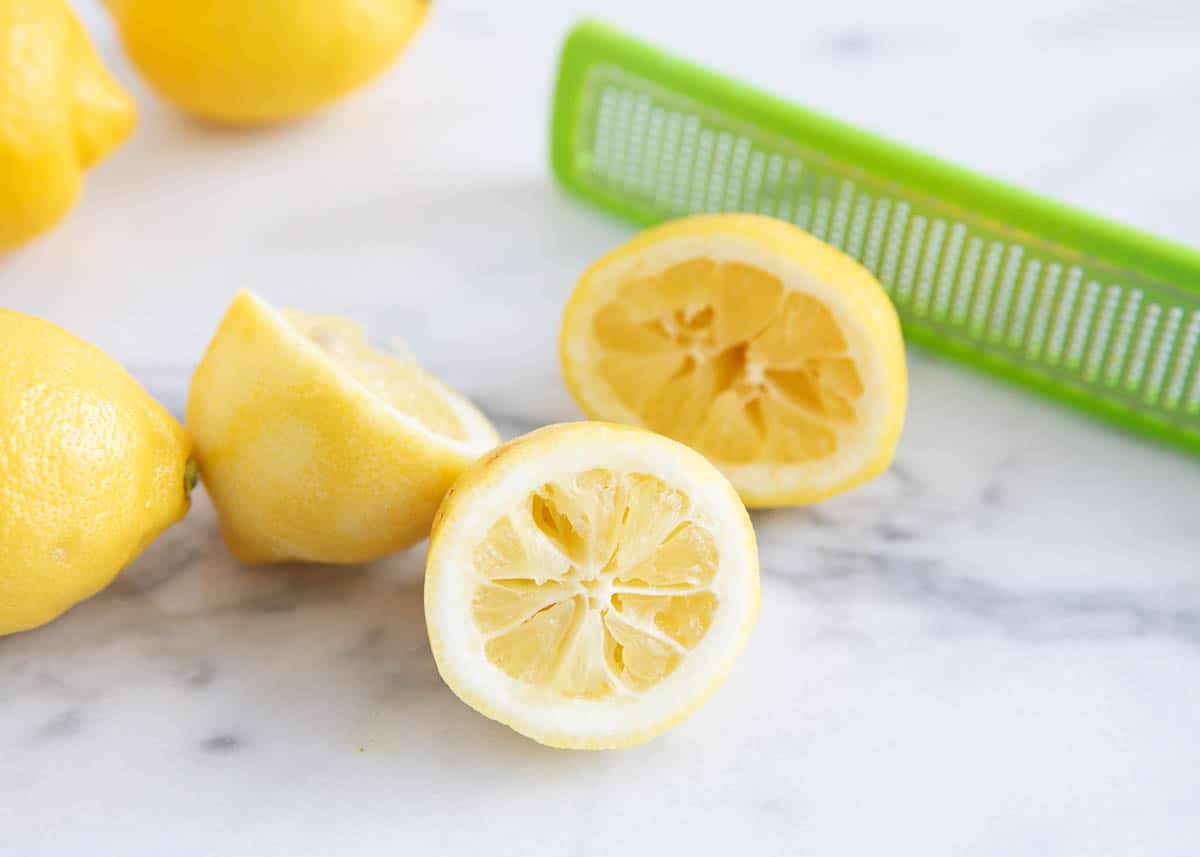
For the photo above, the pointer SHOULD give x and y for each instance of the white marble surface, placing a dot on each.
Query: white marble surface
(994, 650)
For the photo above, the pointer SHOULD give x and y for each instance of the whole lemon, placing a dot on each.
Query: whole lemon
(91, 470)
(60, 113)
(257, 61)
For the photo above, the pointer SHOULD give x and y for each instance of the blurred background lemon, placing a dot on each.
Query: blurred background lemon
(60, 113)
(240, 62)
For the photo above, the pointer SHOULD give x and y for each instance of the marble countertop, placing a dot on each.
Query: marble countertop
(994, 650)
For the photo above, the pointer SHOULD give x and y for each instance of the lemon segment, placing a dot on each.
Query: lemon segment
(770, 352)
(315, 447)
(590, 584)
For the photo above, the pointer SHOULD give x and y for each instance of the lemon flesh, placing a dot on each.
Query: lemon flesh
(60, 113)
(314, 446)
(394, 378)
(92, 469)
(600, 605)
(607, 610)
(771, 353)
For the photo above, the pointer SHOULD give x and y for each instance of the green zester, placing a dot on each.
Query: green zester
(1063, 302)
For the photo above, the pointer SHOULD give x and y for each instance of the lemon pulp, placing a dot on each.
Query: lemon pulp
(721, 357)
(594, 586)
(396, 380)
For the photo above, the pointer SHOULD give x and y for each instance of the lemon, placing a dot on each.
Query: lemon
(315, 447)
(60, 113)
(91, 470)
(257, 61)
(590, 585)
(772, 353)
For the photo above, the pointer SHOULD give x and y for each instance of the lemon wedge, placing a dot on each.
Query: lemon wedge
(314, 446)
(772, 353)
(590, 585)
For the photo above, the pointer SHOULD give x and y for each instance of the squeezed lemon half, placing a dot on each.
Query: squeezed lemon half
(590, 584)
(315, 446)
(772, 353)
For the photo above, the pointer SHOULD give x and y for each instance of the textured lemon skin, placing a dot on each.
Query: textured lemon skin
(60, 113)
(246, 62)
(300, 461)
(92, 469)
(824, 262)
(486, 472)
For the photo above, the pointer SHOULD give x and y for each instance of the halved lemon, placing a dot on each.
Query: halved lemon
(773, 353)
(314, 446)
(590, 585)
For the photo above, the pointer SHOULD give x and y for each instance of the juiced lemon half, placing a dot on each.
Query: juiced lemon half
(590, 584)
(774, 354)
(315, 446)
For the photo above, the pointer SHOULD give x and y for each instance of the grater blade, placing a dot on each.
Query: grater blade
(1063, 302)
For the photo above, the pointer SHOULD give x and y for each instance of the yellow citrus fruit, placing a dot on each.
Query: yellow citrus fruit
(590, 584)
(257, 61)
(772, 353)
(60, 113)
(91, 470)
(313, 446)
